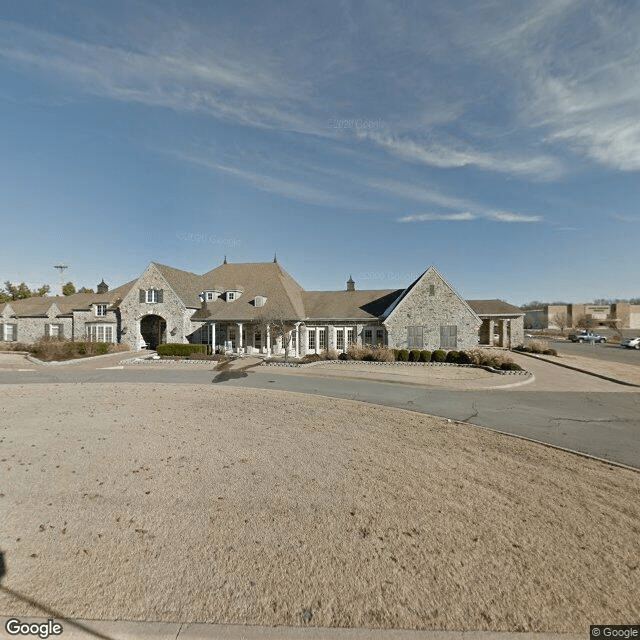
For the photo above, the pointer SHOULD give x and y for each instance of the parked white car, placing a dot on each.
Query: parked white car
(631, 343)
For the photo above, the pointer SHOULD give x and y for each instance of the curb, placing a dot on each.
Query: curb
(54, 363)
(304, 365)
(568, 366)
(76, 629)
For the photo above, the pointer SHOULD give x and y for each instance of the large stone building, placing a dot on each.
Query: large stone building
(260, 308)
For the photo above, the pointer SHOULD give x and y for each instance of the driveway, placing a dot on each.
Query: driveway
(561, 407)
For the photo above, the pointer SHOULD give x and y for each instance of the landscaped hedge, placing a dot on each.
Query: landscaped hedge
(414, 355)
(176, 349)
(425, 356)
(452, 356)
(438, 356)
(404, 355)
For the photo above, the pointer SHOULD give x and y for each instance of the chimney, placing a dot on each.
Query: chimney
(351, 285)
(103, 287)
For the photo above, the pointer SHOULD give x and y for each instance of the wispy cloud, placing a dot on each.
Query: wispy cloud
(288, 188)
(430, 217)
(620, 217)
(439, 155)
(467, 209)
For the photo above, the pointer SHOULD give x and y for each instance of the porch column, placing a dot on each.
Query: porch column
(317, 339)
(239, 336)
(491, 325)
(213, 337)
(268, 340)
(279, 345)
(302, 334)
(297, 330)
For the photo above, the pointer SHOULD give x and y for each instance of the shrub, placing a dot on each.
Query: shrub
(311, 357)
(176, 349)
(344, 356)
(452, 356)
(396, 354)
(425, 356)
(438, 356)
(330, 355)
(550, 352)
(404, 355)
(414, 355)
(538, 346)
(463, 357)
(370, 353)
(510, 366)
(102, 348)
(489, 358)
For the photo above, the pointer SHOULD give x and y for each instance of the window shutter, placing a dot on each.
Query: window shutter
(143, 295)
(47, 332)
(1, 332)
(15, 332)
(159, 295)
(60, 331)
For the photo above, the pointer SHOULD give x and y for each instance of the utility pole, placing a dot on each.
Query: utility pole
(61, 268)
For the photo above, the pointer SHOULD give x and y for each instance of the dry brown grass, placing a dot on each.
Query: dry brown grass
(371, 353)
(489, 357)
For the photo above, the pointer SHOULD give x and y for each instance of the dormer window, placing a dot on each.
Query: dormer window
(233, 294)
(209, 295)
(259, 301)
(101, 309)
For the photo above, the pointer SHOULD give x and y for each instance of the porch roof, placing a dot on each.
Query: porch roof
(495, 308)
(348, 305)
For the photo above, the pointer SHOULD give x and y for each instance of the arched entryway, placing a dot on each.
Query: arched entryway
(153, 329)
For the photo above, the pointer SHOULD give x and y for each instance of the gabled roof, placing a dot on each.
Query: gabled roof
(348, 305)
(406, 292)
(495, 308)
(186, 285)
(269, 279)
(37, 306)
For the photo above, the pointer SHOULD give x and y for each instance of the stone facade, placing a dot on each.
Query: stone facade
(171, 309)
(433, 305)
(167, 305)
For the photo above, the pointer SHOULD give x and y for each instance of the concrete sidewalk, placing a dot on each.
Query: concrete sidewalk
(124, 630)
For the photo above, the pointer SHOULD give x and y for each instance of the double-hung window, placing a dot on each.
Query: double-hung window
(340, 339)
(311, 333)
(152, 295)
(322, 339)
(101, 309)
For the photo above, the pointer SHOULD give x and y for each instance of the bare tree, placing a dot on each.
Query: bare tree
(561, 320)
(278, 327)
(586, 322)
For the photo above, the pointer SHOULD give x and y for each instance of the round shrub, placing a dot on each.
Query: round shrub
(414, 355)
(463, 357)
(510, 366)
(404, 355)
(438, 356)
(425, 356)
(344, 356)
(452, 356)
(550, 352)
(396, 354)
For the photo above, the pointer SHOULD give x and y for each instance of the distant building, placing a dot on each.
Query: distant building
(236, 307)
(622, 315)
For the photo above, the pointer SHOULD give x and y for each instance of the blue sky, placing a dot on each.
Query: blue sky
(497, 140)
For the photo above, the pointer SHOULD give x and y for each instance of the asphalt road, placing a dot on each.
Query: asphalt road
(606, 425)
(610, 352)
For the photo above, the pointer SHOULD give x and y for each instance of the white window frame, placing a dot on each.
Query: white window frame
(367, 336)
(322, 339)
(152, 296)
(101, 309)
(54, 330)
(231, 296)
(340, 339)
(351, 336)
(311, 339)
(209, 295)
(100, 333)
(10, 328)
